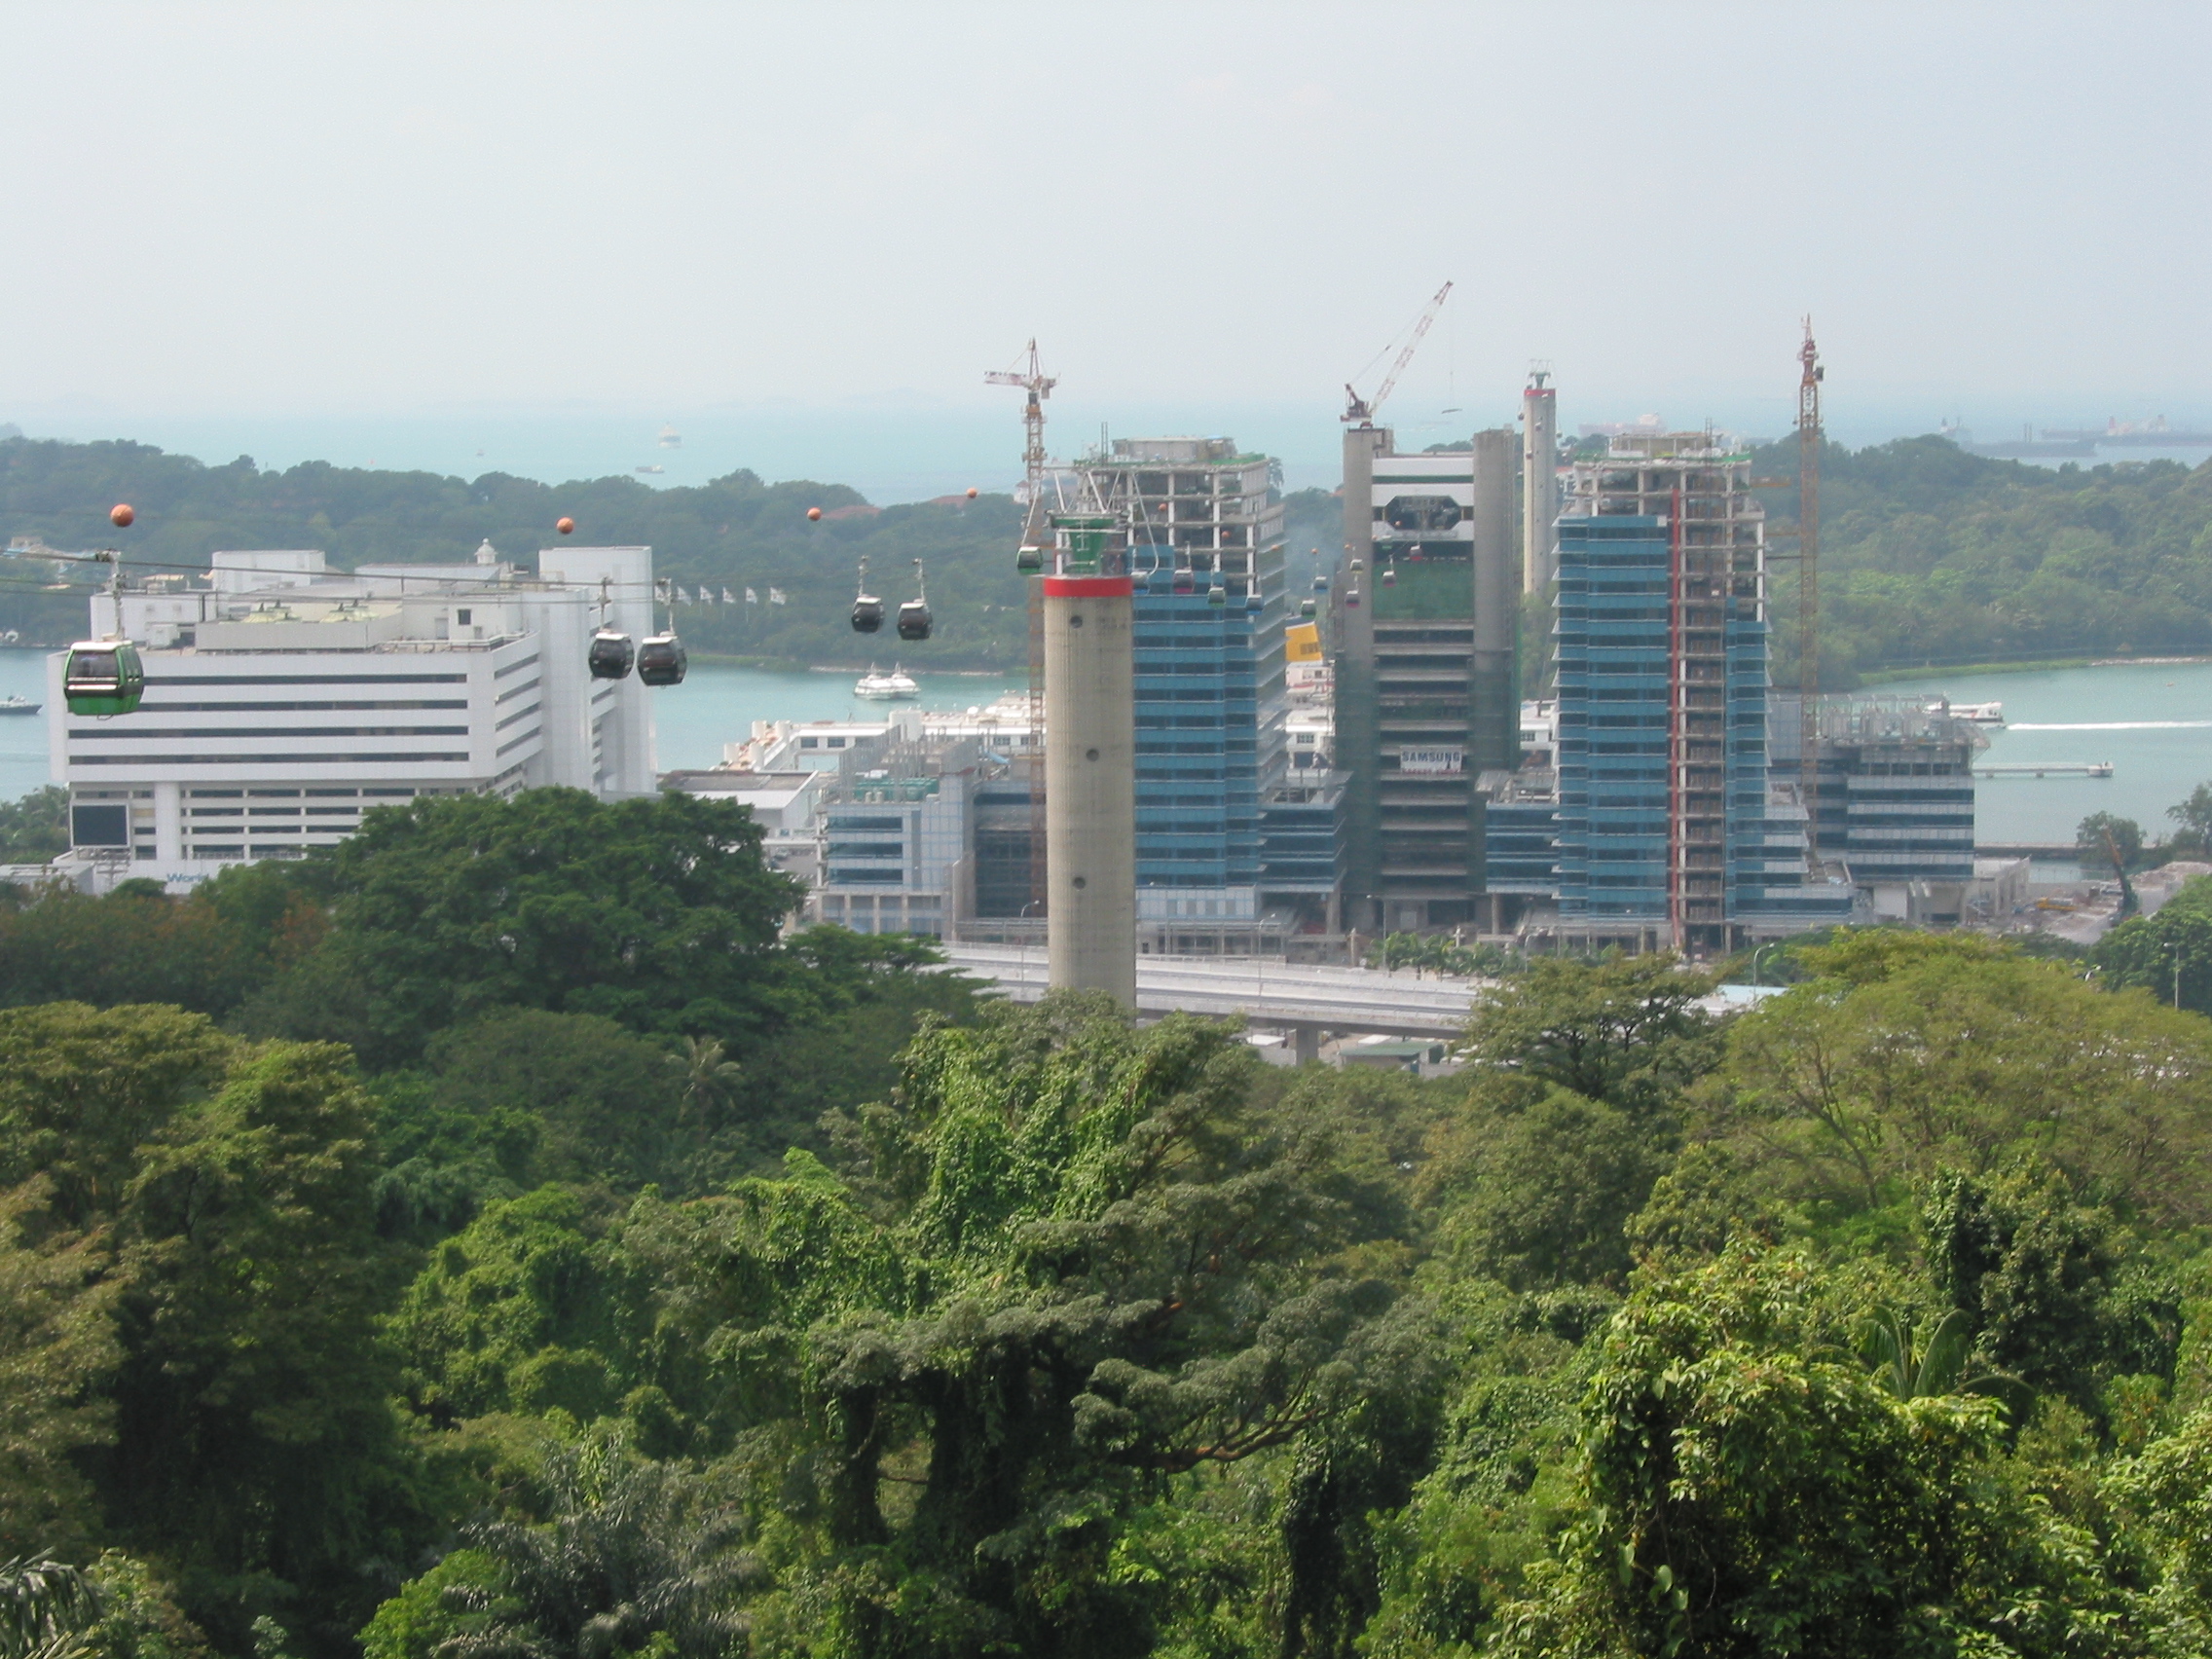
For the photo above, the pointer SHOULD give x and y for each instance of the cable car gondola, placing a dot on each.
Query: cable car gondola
(1390, 573)
(1029, 561)
(1307, 607)
(914, 614)
(1320, 584)
(1184, 581)
(1217, 596)
(610, 656)
(868, 609)
(104, 677)
(661, 661)
(1253, 603)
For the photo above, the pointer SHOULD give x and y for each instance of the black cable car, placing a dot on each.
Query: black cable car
(914, 614)
(868, 609)
(610, 654)
(1253, 603)
(104, 677)
(661, 661)
(1184, 583)
(1029, 561)
(1320, 584)
(1307, 607)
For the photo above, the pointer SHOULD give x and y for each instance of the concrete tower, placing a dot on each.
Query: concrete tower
(1091, 812)
(1539, 482)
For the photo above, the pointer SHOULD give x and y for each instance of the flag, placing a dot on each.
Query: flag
(776, 596)
(751, 597)
(727, 600)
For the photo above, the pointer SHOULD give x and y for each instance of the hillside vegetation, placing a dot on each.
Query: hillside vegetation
(1931, 555)
(491, 1237)
(1928, 555)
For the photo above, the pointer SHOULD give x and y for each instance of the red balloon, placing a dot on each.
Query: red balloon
(812, 514)
(120, 514)
(970, 491)
(566, 526)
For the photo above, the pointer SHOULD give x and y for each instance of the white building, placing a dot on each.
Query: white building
(283, 699)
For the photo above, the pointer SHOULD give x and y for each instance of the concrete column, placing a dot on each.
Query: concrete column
(1091, 806)
(1539, 486)
(1493, 699)
(168, 823)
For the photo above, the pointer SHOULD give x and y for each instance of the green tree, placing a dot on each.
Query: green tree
(1912, 1054)
(2113, 842)
(1544, 1192)
(1748, 1494)
(633, 1557)
(2192, 820)
(659, 914)
(36, 827)
(2168, 954)
(58, 1344)
(1627, 1033)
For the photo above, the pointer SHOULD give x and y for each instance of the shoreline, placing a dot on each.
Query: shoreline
(2035, 665)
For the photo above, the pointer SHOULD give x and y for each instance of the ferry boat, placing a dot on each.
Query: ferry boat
(894, 687)
(19, 706)
(1981, 714)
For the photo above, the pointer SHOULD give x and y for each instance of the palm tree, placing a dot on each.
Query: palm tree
(710, 1078)
(47, 1608)
(1915, 1369)
(630, 1549)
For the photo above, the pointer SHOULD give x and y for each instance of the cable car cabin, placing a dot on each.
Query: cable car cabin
(661, 661)
(1184, 583)
(1254, 604)
(1307, 607)
(610, 656)
(867, 614)
(1217, 596)
(1029, 561)
(104, 677)
(914, 620)
(1320, 584)
(1352, 599)
(1389, 576)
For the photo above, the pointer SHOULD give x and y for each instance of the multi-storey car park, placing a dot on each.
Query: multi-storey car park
(284, 699)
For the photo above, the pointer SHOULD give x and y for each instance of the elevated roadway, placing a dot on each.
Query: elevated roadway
(1305, 1001)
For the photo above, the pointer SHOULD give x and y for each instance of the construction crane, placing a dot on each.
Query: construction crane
(1809, 380)
(1039, 384)
(1035, 534)
(1362, 409)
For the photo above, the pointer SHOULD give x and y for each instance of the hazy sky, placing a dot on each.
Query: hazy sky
(327, 209)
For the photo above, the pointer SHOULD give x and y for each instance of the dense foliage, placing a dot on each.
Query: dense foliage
(649, 1283)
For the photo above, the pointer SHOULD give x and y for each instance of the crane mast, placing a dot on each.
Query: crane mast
(1035, 532)
(1809, 582)
(1362, 409)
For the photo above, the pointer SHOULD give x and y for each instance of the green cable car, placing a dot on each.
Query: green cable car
(104, 677)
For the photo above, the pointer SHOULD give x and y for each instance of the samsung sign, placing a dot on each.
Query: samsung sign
(1431, 760)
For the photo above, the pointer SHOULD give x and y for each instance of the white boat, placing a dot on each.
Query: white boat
(19, 706)
(1981, 714)
(892, 687)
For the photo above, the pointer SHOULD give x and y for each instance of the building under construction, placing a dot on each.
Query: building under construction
(1672, 830)
(1424, 611)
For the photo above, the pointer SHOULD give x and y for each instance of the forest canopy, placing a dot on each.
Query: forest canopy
(496, 1238)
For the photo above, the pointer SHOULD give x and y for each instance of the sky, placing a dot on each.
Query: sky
(802, 232)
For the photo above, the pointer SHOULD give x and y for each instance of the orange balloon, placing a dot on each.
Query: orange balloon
(812, 514)
(566, 526)
(120, 514)
(970, 491)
